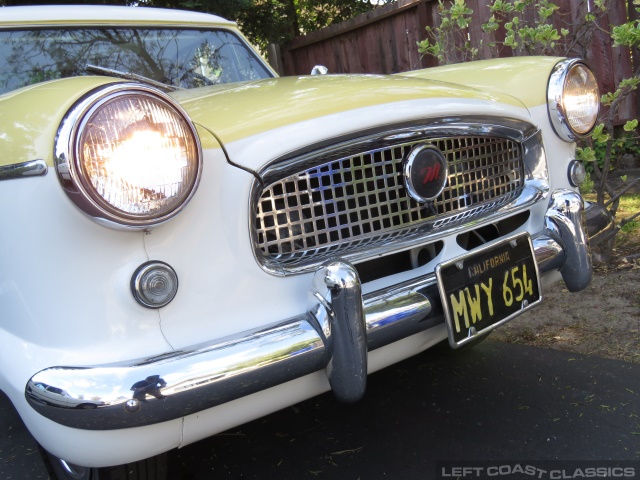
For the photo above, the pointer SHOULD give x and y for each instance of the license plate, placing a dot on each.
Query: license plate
(488, 287)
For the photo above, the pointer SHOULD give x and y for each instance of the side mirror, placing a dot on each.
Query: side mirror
(319, 70)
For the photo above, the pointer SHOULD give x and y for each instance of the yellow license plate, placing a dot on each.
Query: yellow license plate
(488, 287)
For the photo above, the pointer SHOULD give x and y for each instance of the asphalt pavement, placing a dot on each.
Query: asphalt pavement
(502, 410)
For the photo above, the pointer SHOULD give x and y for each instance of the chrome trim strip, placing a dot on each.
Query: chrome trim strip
(334, 149)
(176, 384)
(33, 168)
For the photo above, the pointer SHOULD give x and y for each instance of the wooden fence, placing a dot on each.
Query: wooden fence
(384, 40)
(380, 41)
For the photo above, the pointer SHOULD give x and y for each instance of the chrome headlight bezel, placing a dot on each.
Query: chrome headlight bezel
(68, 157)
(556, 104)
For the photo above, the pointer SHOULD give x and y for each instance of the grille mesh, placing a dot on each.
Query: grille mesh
(361, 199)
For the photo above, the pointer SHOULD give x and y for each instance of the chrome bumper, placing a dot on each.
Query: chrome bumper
(334, 335)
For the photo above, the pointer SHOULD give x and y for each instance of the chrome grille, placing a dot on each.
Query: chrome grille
(360, 200)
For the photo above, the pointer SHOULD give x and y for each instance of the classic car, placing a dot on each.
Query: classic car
(190, 242)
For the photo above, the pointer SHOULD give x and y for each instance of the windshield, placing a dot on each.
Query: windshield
(185, 58)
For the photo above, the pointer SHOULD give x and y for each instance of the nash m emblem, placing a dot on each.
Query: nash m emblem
(425, 173)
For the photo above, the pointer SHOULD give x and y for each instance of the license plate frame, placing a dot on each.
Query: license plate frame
(488, 273)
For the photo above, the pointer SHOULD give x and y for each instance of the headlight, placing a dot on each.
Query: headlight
(128, 155)
(573, 99)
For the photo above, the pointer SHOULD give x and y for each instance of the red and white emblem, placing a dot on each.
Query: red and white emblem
(425, 173)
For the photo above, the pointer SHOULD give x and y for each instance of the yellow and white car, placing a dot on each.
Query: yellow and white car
(190, 242)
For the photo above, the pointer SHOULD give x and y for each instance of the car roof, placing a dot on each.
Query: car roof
(79, 15)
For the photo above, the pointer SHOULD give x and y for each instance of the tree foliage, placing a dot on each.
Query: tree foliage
(262, 21)
(524, 27)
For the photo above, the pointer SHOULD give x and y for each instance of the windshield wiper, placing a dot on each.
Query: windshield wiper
(129, 76)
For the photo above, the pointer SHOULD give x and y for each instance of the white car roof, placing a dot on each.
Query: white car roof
(78, 15)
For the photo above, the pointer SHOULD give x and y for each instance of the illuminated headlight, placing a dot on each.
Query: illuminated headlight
(573, 99)
(128, 155)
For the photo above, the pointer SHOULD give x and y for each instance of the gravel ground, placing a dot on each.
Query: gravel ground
(602, 320)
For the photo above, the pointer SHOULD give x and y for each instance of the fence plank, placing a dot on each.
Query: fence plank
(622, 62)
(634, 15)
(481, 15)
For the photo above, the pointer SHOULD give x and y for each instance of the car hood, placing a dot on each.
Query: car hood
(262, 120)
(285, 114)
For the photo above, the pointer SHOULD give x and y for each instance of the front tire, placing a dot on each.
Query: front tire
(154, 468)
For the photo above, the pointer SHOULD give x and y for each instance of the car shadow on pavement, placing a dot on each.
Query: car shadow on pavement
(498, 402)
(19, 454)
